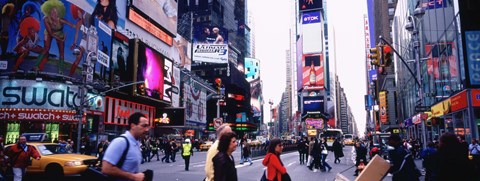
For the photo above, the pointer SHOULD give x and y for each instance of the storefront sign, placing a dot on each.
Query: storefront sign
(38, 95)
(36, 115)
(476, 97)
(459, 101)
(441, 108)
(119, 110)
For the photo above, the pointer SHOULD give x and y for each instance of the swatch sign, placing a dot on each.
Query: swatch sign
(311, 17)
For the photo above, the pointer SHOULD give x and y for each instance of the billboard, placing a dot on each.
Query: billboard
(382, 96)
(122, 69)
(170, 117)
(163, 12)
(175, 87)
(195, 101)
(472, 50)
(312, 71)
(441, 61)
(312, 38)
(311, 17)
(210, 44)
(252, 74)
(156, 71)
(64, 53)
(307, 5)
(182, 52)
(299, 59)
(313, 104)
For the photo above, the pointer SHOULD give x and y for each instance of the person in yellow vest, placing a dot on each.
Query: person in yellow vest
(187, 151)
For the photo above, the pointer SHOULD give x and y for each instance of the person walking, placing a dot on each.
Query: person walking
(20, 155)
(175, 148)
(187, 151)
(126, 167)
(247, 153)
(223, 161)
(429, 155)
(361, 155)
(168, 151)
(310, 147)
(302, 150)
(324, 154)
(275, 168)
(474, 150)
(212, 151)
(316, 156)
(403, 165)
(452, 160)
(337, 150)
(243, 141)
(154, 147)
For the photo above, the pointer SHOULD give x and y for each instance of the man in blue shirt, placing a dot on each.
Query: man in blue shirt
(138, 127)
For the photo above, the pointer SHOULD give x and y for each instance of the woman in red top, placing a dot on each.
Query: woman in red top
(275, 168)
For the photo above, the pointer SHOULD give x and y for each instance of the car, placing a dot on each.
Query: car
(206, 145)
(57, 164)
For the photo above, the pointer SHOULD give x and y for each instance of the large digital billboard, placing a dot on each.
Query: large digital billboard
(170, 117)
(162, 12)
(312, 72)
(157, 73)
(182, 52)
(252, 74)
(307, 5)
(122, 69)
(72, 38)
(210, 44)
(313, 104)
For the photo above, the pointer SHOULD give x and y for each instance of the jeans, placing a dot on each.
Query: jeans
(18, 173)
(325, 164)
(302, 157)
(174, 153)
(249, 159)
(166, 157)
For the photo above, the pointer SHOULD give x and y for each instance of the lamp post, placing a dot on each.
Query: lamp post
(412, 27)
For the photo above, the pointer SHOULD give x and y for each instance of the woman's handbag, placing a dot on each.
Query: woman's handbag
(324, 152)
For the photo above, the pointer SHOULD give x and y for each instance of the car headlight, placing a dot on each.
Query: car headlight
(73, 163)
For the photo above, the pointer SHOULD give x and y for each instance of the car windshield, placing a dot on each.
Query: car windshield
(51, 149)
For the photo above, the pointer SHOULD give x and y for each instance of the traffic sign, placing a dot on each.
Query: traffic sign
(217, 122)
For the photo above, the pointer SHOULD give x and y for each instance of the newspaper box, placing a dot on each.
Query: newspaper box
(375, 170)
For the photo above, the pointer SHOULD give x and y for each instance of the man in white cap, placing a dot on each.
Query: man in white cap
(187, 151)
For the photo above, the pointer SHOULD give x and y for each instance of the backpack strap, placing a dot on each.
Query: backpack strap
(124, 154)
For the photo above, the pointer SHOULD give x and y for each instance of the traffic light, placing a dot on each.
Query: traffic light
(375, 56)
(387, 56)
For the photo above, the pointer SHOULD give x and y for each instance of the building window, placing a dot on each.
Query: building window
(391, 1)
(391, 11)
(248, 69)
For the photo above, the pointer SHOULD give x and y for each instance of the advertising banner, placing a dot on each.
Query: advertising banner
(459, 101)
(118, 111)
(299, 60)
(441, 61)
(64, 52)
(304, 5)
(314, 123)
(210, 44)
(313, 105)
(312, 72)
(122, 69)
(441, 108)
(176, 85)
(163, 12)
(476, 97)
(170, 117)
(382, 96)
(182, 52)
(195, 102)
(252, 74)
(104, 45)
(472, 49)
(312, 38)
(37, 115)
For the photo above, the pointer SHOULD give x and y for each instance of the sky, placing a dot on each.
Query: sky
(272, 21)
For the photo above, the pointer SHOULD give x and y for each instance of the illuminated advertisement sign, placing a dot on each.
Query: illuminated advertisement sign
(195, 101)
(170, 117)
(118, 111)
(162, 12)
(149, 27)
(313, 104)
(382, 96)
(210, 44)
(311, 17)
(64, 53)
(306, 5)
(314, 123)
(312, 72)
(122, 69)
(157, 73)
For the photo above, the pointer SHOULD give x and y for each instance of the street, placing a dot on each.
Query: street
(175, 171)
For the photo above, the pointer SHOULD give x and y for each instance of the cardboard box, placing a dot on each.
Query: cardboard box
(376, 170)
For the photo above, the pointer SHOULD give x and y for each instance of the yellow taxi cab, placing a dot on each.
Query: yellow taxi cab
(205, 146)
(55, 161)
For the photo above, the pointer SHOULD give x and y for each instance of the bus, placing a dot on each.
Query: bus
(348, 139)
(331, 135)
